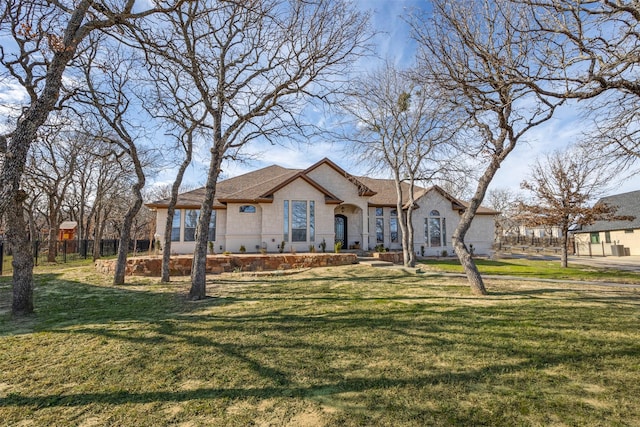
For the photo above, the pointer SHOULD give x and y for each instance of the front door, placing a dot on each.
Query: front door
(341, 230)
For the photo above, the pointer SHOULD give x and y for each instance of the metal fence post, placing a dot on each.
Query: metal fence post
(1, 256)
(35, 251)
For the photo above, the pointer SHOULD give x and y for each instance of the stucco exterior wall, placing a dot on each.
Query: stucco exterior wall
(299, 190)
(480, 234)
(355, 207)
(243, 229)
(627, 238)
(182, 247)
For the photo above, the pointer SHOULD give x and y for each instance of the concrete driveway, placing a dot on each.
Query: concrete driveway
(631, 263)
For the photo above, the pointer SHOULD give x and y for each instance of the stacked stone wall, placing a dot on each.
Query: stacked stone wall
(180, 265)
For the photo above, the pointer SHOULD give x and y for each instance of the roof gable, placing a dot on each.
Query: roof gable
(363, 189)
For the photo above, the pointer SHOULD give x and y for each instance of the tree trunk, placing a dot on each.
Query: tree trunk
(125, 235)
(402, 219)
(564, 263)
(410, 237)
(175, 188)
(97, 235)
(53, 233)
(22, 257)
(466, 260)
(199, 267)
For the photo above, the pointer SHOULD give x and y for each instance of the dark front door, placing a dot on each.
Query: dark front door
(341, 230)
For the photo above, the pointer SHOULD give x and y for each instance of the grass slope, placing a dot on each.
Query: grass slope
(340, 346)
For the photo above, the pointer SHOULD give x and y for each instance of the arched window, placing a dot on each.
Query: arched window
(247, 209)
(435, 230)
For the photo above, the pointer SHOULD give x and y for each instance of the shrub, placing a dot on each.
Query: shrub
(242, 249)
(281, 247)
(337, 247)
(323, 246)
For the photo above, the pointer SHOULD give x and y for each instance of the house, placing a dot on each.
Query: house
(263, 209)
(614, 237)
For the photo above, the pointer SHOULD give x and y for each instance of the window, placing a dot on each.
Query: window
(379, 225)
(394, 212)
(175, 227)
(190, 223)
(393, 229)
(595, 237)
(435, 230)
(629, 231)
(312, 221)
(285, 231)
(298, 221)
(607, 237)
(212, 227)
(247, 209)
(380, 230)
(299, 216)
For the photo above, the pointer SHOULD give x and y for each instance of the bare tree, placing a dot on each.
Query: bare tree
(476, 55)
(594, 48)
(185, 120)
(505, 201)
(110, 96)
(404, 127)
(562, 185)
(40, 38)
(253, 66)
(50, 167)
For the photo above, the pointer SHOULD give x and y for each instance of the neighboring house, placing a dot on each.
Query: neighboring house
(303, 208)
(539, 232)
(615, 237)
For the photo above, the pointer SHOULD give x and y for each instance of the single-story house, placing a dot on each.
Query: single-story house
(613, 237)
(323, 203)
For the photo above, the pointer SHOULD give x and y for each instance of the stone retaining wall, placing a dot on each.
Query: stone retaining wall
(394, 257)
(180, 265)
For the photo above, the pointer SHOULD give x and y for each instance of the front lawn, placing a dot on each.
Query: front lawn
(535, 268)
(345, 346)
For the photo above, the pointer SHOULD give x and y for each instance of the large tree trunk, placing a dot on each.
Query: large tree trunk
(22, 257)
(466, 260)
(125, 235)
(199, 267)
(175, 188)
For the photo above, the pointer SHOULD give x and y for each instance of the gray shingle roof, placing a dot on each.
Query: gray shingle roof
(628, 204)
(257, 185)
